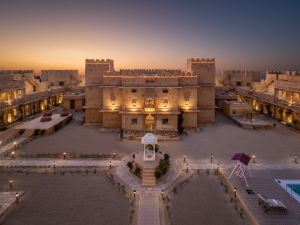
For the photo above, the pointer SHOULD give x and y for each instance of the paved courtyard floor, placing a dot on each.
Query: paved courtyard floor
(263, 182)
(203, 201)
(70, 199)
(225, 138)
(221, 140)
(78, 138)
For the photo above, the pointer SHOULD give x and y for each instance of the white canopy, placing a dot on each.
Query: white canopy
(149, 138)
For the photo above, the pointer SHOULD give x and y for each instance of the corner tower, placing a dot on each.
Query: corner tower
(95, 69)
(205, 71)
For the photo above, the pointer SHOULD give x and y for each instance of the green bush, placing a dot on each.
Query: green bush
(158, 174)
(137, 171)
(163, 167)
(130, 165)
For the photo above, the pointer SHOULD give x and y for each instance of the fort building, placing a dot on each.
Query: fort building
(277, 96)
(150, 99)
(23, 95)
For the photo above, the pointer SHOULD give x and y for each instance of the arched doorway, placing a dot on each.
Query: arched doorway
(149, 123)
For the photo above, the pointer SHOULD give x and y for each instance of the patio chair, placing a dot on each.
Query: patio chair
(271, 204)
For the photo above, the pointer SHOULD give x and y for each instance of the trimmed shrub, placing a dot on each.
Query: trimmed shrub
(130, 165)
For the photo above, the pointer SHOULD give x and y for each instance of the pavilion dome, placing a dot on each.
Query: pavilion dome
(149, 138)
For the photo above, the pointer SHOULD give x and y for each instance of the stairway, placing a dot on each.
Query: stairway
(28, 133)
(148, 177)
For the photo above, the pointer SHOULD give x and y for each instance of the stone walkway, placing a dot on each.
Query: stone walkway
(58, 163)
(10, 145)
(196, 165)
(148, 213)
(7, 199)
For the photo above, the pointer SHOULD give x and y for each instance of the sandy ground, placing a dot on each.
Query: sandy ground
(203, 201)
(222, 140)
(77, 138)
(225, 138)
(69, 199)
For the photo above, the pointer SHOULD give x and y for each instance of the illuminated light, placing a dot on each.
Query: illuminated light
(9, 118)
(149, 109)
(290, 119)
(253, 158)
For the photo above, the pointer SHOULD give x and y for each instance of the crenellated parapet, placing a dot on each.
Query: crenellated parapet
(149, 72)
(283, 72)
(202, 60)
(98, 61)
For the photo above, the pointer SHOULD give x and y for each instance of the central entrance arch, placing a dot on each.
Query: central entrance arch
(149, 123)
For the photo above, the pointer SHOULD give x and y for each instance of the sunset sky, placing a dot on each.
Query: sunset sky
(61, 34)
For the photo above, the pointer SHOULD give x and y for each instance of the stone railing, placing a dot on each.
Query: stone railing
(287, 85)
(32, 97)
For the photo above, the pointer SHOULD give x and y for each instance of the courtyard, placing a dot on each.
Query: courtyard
(65, 199)
(221, 140)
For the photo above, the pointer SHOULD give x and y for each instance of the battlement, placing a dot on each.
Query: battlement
(202, 60)
(98, 61)
(150, 72)
(278, 72)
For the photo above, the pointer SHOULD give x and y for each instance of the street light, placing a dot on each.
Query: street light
(134, 191)
(162, 192)
(235, 192)
(187, 168)
(64, 155)
(11, 184)
(184, 157)
(15, 144)
(17, 197)
(109, 164)
(12, 154)
(253, 158)
(211, 158)
(296, 159)
(53, 164)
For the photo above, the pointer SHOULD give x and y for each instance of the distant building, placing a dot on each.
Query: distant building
(22, 95)
(60, 77)
(238, 77)
(277, 96)
(150, 100)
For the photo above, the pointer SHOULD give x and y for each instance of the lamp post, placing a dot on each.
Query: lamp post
(211, 158)
(295, 159)
(17, 197)
(234, 191)
(110, 165)
(187, 168)
(64, 155)
(53, 164)
(15, 144)
(134, 191)
(184, 158)
(162, 193)
(11, 184)
(12, 154)
(253, 158)
(115, 155)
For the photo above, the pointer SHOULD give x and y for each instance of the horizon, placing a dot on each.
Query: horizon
(253, 36)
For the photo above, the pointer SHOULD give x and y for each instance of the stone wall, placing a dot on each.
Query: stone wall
(112, 120)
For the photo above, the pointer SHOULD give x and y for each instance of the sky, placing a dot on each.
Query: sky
(61, 34)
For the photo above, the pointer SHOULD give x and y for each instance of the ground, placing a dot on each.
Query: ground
(221, 140)
(69, 199)
(203, 200)
(263, 182)
(200, 200)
